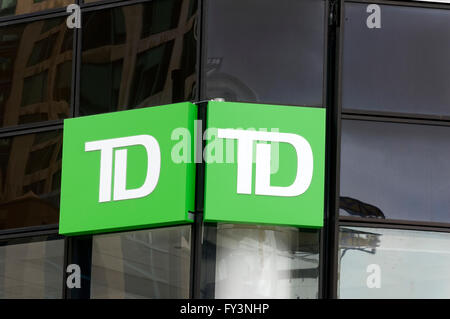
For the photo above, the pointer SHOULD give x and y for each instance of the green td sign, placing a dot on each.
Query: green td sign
(136, 169)
(118, 172)
(265, 164)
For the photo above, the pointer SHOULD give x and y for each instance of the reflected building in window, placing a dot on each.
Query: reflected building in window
(12, 7)
(32, 269)
(138, 56)
(35, 72)
(142, 264)
(30, 178)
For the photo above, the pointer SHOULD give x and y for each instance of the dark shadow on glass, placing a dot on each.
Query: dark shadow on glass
(356, 207)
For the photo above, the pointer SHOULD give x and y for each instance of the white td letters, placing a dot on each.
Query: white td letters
(245, 138)
(120, 168)
(262, 179)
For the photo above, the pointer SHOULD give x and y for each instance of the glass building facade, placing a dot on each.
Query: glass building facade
(383, 79)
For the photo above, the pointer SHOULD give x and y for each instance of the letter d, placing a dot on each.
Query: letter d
(304, 166)
(153, 169)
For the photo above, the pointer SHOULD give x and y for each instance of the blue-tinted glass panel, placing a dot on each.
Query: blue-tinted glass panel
(401, 67)
(395, 171)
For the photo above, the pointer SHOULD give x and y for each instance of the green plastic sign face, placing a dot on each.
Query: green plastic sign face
(123, 170)
(265, 164)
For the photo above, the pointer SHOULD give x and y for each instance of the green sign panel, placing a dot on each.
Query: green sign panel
(265, 164)
(124, 170)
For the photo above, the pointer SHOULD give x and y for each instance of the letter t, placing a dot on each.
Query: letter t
(106, 160)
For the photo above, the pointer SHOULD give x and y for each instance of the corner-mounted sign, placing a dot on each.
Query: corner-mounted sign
(265, 164)
(119, 172)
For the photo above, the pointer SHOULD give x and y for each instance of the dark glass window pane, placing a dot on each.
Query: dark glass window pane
(395, 171)
(403, 66)
(34, 89)
(31, 268)
(12, 7)
(142, 264)
(104, 96)
(63, 80)
(42, 50)
(160, 16)
(30, 171)
(250, 261)
(391, 263)
(150, 72)
(109, 26)
(265, 51)
(137, 56)
(35, 72)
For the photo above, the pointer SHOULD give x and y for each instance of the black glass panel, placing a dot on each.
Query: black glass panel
(265, 51)
(395, 171)
(30, 173)
(12, 7)
(35, 72)
(160, 16)
(403, 66)
(32, 268)
(137, 56)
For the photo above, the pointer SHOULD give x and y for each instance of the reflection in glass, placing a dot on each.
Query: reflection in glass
(355, 207)
(31, 269)
(403, 66)
(142, 264)
(160, 16)
(395, 171)
(30, 172)
(388, 263)
(272, 51)
(35, 72)
(12, 7)
(137, 56)
(245, 261)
